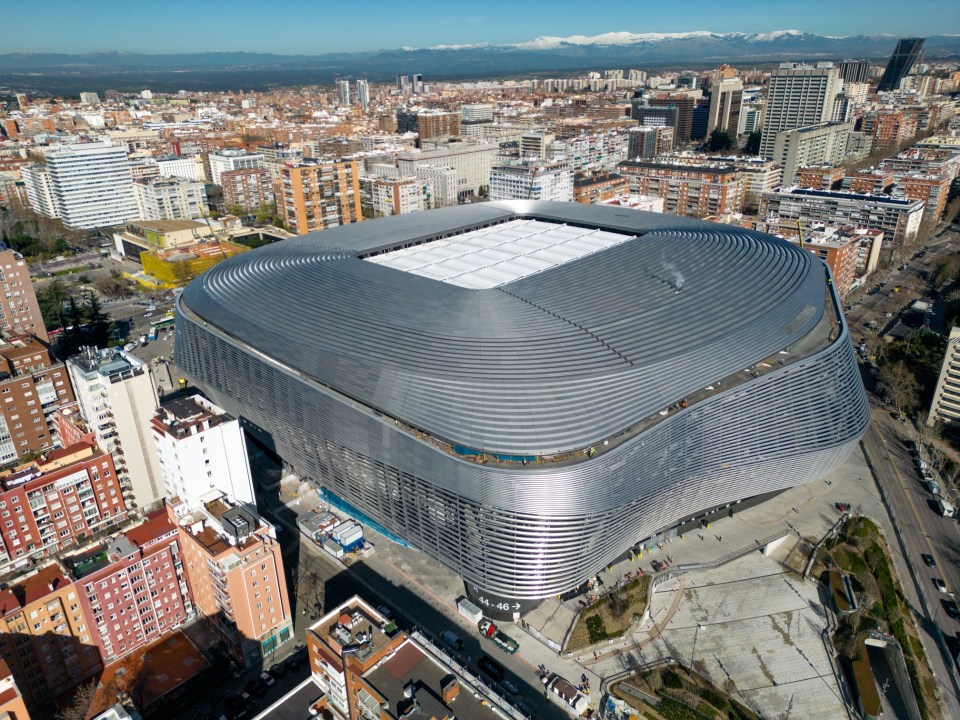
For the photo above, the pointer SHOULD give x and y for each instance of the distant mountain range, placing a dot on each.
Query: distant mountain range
(69, 74)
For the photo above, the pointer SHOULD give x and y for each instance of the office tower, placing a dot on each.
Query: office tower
(233, 561)
(798, 96)
(19, 309)
(227, 160)
(898, 67)
(417, 83)
(118, 398)
(89, 98)
(320, 194)
(363, 94)
(646, 115)
(690, 82)
(700, 119)
(343, 91)
(170, 198)
(407, 122)
(685, 105)
(726, 101)
(532, 180)
(33, 387)
(854, 71)
(92, 185)
(201, 448)
(403, 84)
(476, 113)
(470, 162)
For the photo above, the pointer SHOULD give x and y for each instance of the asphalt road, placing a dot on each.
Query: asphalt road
(924, 532)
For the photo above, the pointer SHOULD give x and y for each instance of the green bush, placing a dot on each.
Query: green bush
(714, 698)
(705, 709)
(671, 709)
(672, 680)
(596, 628)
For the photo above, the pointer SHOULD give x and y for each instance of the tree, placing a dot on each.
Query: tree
(51, 299)
(901, 384)
(80, 702)
(720, 141)
(97, 322)
(753, 144)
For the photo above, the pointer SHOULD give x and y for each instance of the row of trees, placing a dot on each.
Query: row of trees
(82, 321)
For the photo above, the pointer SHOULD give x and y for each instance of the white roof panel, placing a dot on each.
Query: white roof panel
(500, 254)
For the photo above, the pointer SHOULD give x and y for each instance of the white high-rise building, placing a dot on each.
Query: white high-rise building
(798, 96)
(118, 399)
(201, 448)
(36, 181)
(89, 98)
(726, 102)
(170, 198)
(824, 143)
(532, 180)
(227, 160)
(476, 113)
(92, 184)
(343, 91)
(363, 94)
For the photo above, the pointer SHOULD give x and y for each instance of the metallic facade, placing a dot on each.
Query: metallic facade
(364, 378)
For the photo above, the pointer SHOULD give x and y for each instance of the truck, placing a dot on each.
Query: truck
(468, 610)
(499, 638)
(452, 639)
(945, 508)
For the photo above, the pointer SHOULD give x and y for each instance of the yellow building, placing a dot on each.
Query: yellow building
(178, 266)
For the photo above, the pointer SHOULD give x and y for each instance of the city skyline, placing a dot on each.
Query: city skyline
(215, 27)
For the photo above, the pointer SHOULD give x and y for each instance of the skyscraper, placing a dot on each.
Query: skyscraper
(363, 94)
(854, 71)
(343, 91)
(903, 58)
(798, 96)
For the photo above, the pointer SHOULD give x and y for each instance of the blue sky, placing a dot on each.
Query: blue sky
(318, 26)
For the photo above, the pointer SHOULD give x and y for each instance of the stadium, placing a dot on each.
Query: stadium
(527, 390)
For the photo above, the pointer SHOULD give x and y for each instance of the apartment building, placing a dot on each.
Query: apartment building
(888, 128)
(798, 96)
(535, 145)
(39, 190)
(368, 669)
(57, 501)
(694, 190)
(118, 399)
(320, 194)
(945, 407)
(229, 160)
(823, 177)
(19, 309)
(46, 638)
(594, 189)
(201, 448)
(824, 143)
(400, 196)
(32, 388)
(898, 219)
(933, 190)
(170, 198)
(592, 152)
(248, 189)
(646, 142)
(133, 586)
(838, 251)
(437, 124)
(758, 174)
(684, 103)
(869, 182)
(236, 575)
(532, 180)
(12, 706)
(91, 185)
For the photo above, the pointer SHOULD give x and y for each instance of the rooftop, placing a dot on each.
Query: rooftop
(32, 588)
(352, 624)
(107, 362)
(500, 254)
(185, 416)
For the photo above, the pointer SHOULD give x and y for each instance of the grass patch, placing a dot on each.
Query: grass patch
(610, 617)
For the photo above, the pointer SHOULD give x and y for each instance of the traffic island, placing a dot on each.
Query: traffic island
(611, 616)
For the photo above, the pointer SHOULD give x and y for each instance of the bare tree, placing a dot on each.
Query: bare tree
(80, 702)
(901, 384)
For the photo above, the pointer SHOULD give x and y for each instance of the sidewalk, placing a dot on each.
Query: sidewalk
(804, 511)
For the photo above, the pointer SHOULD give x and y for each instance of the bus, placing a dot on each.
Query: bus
(165, 322)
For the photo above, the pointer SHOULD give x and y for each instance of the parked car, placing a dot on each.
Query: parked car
(940, 586)
(278, 671)
(257, 688)
(928, 560)
(951, 608)
(292, 663)
(920, 464)
(267, 679)
(385, 611)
